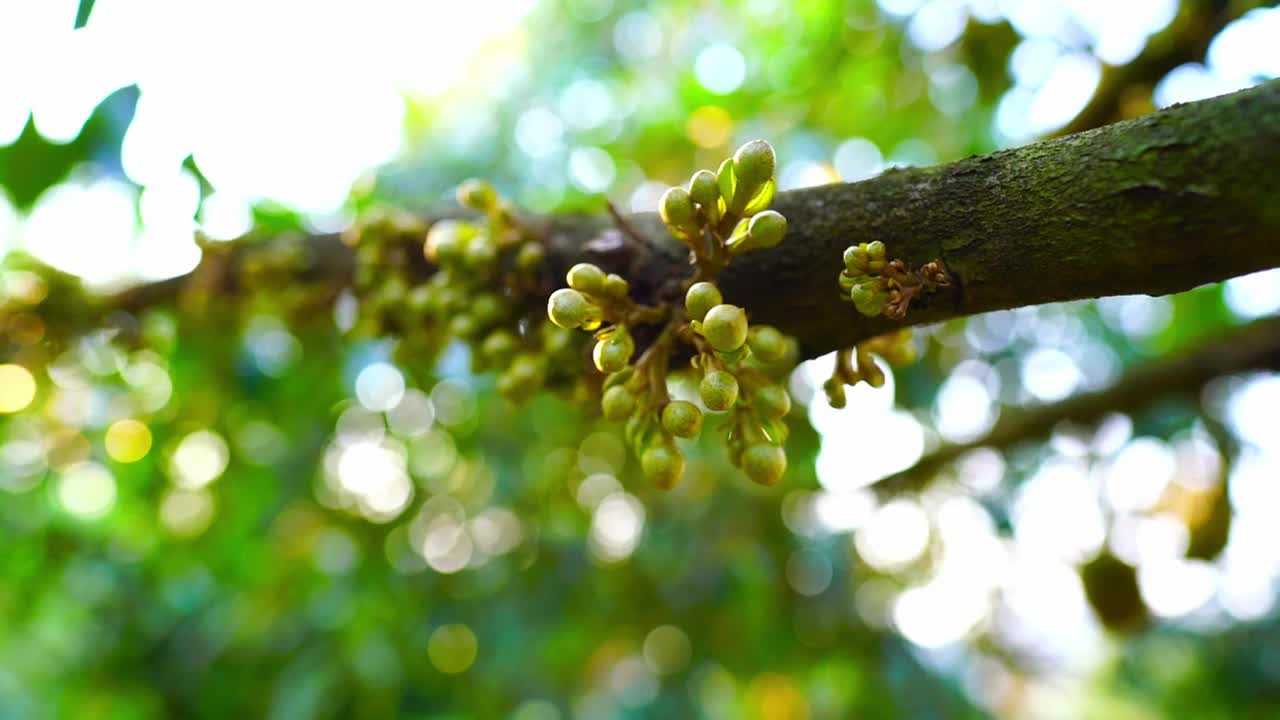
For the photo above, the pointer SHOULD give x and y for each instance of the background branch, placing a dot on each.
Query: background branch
(1125, 90)
(1255, 346)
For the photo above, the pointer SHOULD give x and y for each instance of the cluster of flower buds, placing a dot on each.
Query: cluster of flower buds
(740, 368)
(592, 299)
(743, 370)
(486, 271)
(723, 214)
(855, 365)
(878, 286)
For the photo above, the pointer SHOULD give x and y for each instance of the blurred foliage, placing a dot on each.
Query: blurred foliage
(215, 509)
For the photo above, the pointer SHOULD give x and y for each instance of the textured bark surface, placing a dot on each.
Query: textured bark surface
(1164, 203)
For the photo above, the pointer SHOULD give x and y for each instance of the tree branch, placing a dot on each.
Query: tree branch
(1184, 374)
(1185, 40)
(1161, 204)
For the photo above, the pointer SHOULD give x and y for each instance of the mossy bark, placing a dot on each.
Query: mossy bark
(1161, 204)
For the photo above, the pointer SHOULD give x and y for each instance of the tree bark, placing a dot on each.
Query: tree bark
(1164, 203)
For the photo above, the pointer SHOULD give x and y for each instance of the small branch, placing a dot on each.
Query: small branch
(1253, 347)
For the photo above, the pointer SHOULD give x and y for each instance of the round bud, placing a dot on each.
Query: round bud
(663, 465)
(463, 325)
(766, 229)
(875, 250)
(612, 353)
(725, 327)
(530, 257)
(481, 253)
(682, 419)
(754, 163)
(704, 190)
(587, 278)
(702, 296)
(767, 343)
(834, 389)
(616, 286)
(568, 308)
(488, 308)
(719, 390)
(499, 347)
(528, 368)
(764, 463)
(676, 208)
(854, 258)
(446, 241)
(617, 403)
(772, 401)
(421, 298)
(477, 195)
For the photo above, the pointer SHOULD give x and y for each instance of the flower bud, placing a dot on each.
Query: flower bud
(446, 241)
(767, 343)
(766, 229)
(617, 403)
(530, 257)
(754, 163)
(663, 465)
(682, 419)
(702, 296)
(676, 209)
(499, 347)
(764, 463)
(477, 195)
(568, 308)
(613, 351)
(705, 191)
(719, 390)
(772, 401)
(481, 253)
(616, 286)
(725, 327)
(586, 278)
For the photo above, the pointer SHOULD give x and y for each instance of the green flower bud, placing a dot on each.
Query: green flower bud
(488, 308)
(616, 286)
(767, 229)
(568, 308)
(719, 390)
(477, 195)
(587, 278)
(499, 347)
(767, 343)
(764, 463)
(558, 341)
(875, 250)
(682, 419)
(421, 299)
(705, 191)
(663, 465)
(834, 389)
(613, 351)
(447, 240)
(725, 327)
(530, 257)
(702, 296)
(676, 209)
(481, 253)
(523, 378)
(772, 401)
(618, 403)
(753, 164)
(463, 325)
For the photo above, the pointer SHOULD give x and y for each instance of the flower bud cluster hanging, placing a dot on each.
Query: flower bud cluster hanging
(741, 367)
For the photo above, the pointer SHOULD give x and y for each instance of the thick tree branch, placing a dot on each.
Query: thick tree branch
(1184, 374)
(1161, 204)
(1126, 88)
